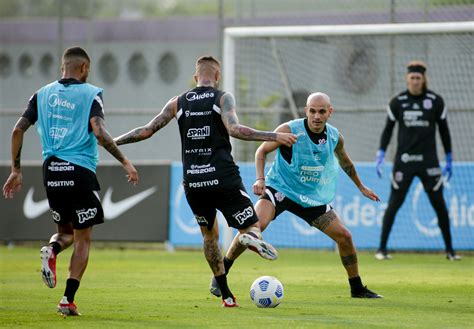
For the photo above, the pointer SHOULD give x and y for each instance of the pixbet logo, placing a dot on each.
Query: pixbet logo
(54, 100)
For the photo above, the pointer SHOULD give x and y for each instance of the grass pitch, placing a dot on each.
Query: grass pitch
(158, 289)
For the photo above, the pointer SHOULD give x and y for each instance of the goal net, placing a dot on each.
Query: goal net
(272, 70)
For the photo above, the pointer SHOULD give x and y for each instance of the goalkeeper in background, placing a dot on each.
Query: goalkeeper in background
(418, 111)
(302, 180)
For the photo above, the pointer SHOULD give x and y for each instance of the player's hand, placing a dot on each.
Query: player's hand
(12, 185)
(259, 187)
(367, 192)
(448, 168)
(379, 162)
(286, 139)
(132, 174)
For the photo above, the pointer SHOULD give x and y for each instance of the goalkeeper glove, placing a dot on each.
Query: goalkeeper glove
(448, 168)
(379, 161)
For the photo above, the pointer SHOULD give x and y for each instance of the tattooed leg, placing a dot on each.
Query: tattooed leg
(212, 251)
(332, 226)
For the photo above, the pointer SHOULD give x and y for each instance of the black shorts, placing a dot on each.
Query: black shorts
(233, 202)
(81, 208)
(282, 203)
(72, 193)
(403, 175)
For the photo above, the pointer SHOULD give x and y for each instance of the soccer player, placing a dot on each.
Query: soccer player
(302, 180)
(206, 118)
(70, 121)
(418, 111)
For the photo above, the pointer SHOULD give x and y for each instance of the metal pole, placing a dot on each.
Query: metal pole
(220, 18)
(60, 30)
(392, 50)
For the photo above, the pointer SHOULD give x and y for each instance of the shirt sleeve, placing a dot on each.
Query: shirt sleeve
(31, 111)
(389, 124)
(97, 109)
(443, 126)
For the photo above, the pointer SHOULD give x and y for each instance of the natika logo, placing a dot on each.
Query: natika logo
(55, 101)
(192, 96)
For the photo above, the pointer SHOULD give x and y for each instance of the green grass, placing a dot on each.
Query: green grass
(153, 288)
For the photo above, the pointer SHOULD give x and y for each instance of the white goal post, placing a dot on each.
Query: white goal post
(233, 33)
(272, 69)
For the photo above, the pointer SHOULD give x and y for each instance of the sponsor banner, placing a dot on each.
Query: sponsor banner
(415, 226)
(132, 213)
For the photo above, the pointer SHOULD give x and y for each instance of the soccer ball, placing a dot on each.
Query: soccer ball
(266, 291)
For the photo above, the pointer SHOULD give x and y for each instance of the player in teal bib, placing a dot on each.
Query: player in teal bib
(310, 178)
(303, 179)
(62, 115)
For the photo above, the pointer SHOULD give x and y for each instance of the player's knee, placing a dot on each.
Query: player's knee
(345, 237)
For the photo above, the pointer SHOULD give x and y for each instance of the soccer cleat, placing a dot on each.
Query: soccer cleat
(264, 249)
(364, 292)
(382, 255)
(452, 256)
(214, 287)
(48, 266)
(229, 302)
(66, 308)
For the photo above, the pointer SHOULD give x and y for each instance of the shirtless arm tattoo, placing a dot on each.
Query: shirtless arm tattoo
(213, 256)
(105, 139)
(144, 132)
(235, 129)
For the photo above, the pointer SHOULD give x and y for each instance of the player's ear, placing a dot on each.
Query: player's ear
(195, 78)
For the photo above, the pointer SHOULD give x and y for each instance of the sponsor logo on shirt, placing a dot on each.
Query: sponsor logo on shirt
(411, 157)
(60, 183)
(56, 132)
(192, 96)
(192, 114)
(200, 169)
(204, 183)
(55, 101)
(199, 133)
(199, 151)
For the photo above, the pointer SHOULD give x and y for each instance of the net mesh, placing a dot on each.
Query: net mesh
(361, 74)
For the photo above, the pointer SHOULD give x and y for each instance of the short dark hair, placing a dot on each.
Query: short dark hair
(208, 58)
(76, 52)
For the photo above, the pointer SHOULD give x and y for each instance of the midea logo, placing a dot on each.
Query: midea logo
(192, 96)
(54, 100)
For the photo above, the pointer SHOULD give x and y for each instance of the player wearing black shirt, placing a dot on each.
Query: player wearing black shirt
(206, 118)
(417, 111)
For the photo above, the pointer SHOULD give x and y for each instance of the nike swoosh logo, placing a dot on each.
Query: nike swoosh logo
(114, 209)
(32, 208)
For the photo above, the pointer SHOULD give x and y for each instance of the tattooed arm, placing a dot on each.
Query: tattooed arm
(138, 134)
(235, 129)
(346, 164)
(106, 141)
(15, 179)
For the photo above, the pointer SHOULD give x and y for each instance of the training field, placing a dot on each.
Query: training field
(133, 288)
